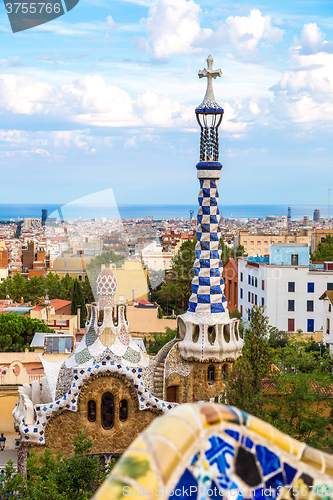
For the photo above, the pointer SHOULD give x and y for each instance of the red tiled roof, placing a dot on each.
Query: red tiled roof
(143, 302)
(59, 303)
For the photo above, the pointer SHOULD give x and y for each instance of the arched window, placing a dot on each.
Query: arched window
(107, 410)
(195, 333)
(211, 373)
(123, 410)
(92, 411)
(211, 334)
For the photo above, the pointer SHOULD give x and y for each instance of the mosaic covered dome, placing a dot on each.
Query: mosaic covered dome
(106, 283)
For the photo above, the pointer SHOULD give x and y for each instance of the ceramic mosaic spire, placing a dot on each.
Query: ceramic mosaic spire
(207, 284)
(206, 327)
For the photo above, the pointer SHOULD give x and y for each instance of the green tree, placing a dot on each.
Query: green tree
(277, 338)
(55, 477)
(16, 332)
(160, 339)
(35, 289)
(53, 285)
(182, 270)
(87, 291)
(244, 388)
(228, 253)
(67, 285)
(324, 251)
(301, 403)
(78, 301)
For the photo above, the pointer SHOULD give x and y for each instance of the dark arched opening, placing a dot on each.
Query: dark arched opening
(211, 373)
(107, 410)
(123, 410)
(92, 411)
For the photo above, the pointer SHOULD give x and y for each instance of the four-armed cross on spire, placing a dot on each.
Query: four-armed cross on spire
(210, 73)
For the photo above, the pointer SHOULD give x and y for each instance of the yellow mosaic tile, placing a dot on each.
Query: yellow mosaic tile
(264, 430)
(329, 464)
(190, 414)
(164, 455)
(312, 457)
(137, 466)
(177, 431)
(113, 488)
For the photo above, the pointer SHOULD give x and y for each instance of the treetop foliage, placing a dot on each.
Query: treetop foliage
(324, 251)
(52, 477)
(17, 332)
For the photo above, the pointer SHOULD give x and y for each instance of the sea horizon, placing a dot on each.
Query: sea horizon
(14, 211)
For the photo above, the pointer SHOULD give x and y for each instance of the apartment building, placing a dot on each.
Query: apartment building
(287, 285)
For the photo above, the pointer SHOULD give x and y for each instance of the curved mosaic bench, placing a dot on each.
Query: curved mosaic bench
(210, 451)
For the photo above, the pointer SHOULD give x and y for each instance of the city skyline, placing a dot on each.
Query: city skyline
(104, 97)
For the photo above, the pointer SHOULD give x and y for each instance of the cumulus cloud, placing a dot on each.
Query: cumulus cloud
(110, 22)
(173, 28)
(312, 41)
(243, 34)
(304, 93)
(89, 101)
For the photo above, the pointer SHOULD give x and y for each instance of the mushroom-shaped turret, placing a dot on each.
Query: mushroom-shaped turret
(106, 287)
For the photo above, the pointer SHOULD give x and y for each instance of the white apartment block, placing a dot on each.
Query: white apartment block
(287, 286)
(327, 299)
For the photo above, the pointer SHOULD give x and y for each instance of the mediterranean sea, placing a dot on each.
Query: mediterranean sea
(21, 211)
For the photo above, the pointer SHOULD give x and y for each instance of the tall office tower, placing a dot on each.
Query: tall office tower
(316, 215)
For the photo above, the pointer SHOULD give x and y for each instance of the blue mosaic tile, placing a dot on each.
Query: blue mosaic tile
(218, 452)
(275, 481)
(289, 473)
(233, 434)
(184, 485)
(268, 460)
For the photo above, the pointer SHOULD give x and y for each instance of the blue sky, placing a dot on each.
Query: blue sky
(104, 97)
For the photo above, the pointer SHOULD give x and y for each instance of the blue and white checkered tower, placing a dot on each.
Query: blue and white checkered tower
(206, 330)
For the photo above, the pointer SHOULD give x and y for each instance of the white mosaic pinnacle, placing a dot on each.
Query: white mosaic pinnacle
(209, 73)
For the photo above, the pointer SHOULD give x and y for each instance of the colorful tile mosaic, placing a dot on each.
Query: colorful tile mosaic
(174, 363)
(132, 356)
(83, 356)
(34, 432)
(210, 451)
(64, 382)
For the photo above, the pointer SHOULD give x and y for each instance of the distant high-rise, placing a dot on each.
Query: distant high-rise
(44, 216)
(306, 220)
(316, 215)
(289, 217)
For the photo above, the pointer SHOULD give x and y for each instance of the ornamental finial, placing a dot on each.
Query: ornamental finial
(209, 105)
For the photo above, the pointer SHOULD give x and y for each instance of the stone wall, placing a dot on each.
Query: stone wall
(61, 429)
(197, 387)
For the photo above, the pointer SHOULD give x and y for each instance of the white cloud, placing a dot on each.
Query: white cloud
(304, 93)
(131, 142)
(8, 63)
(160, 111)
(244, 33)
(110, 22)
(89, 101)
(312, 41)
(173, 28)
(13, 136)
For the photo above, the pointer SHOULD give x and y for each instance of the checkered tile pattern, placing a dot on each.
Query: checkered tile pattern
(207, 284)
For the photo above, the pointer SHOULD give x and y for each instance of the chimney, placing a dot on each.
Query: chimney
(78, 316)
